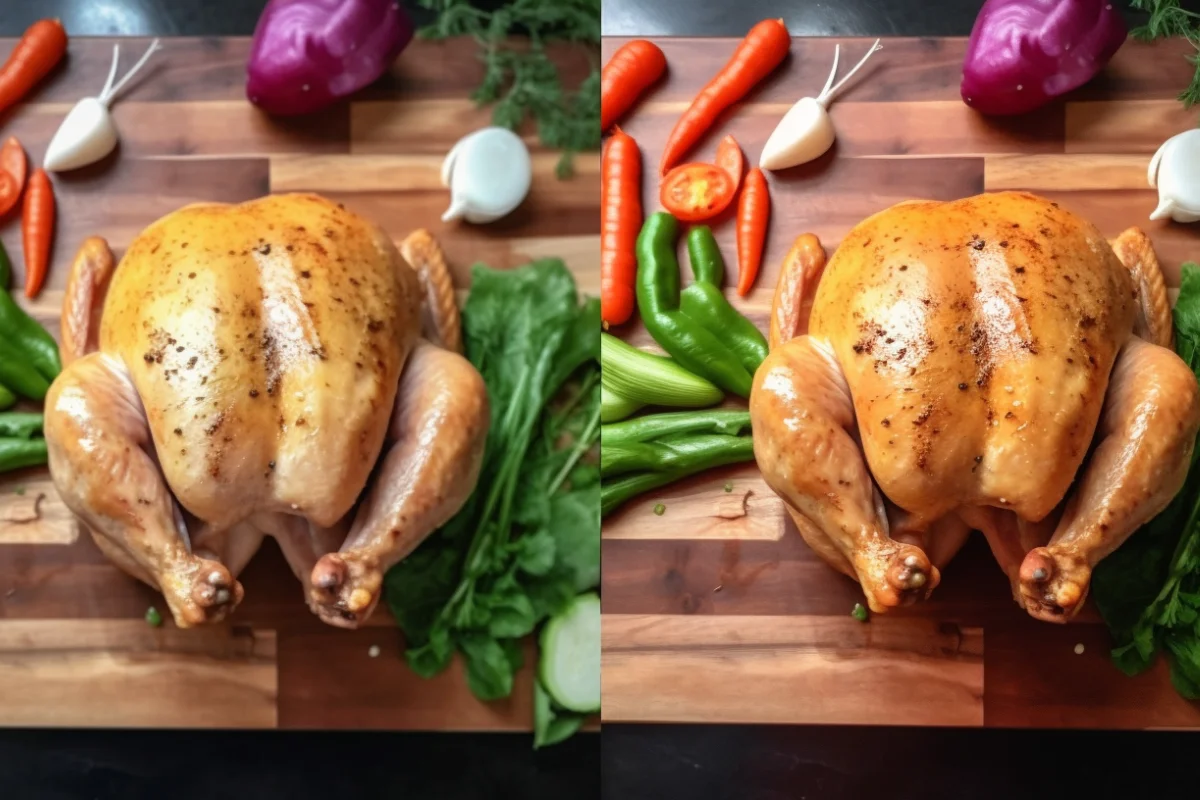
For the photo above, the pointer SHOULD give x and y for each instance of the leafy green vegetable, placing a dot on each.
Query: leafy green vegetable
(528, 539)
(520, 78)
(1148, 591)
(1168, 19)
(551, 723)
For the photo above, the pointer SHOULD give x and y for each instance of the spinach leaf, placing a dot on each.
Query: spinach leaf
(529, 536)
(1148, 591)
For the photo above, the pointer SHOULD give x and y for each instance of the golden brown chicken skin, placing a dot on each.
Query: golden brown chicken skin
(256, 363)
(962, 360)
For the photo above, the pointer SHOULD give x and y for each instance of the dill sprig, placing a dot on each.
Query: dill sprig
(519, 78)
(1168, 19)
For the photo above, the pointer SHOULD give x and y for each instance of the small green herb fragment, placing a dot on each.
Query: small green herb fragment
(153, 618)
(859, 612)
(20, 490)
(660, 509)
(519, 75)
(1168, 19)
(728, 486)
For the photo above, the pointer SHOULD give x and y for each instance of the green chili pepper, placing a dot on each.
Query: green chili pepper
(23, 334)
(7, 398)
(20, 425)
(672, 454)
(18, 453)
(690, 343)
(704, 301)
(17, 373)
(614, 493)
(656, 426)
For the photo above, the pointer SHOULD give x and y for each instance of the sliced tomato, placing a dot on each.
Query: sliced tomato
(9, 192)
(729, 158)
(696, 192)
(12, 163)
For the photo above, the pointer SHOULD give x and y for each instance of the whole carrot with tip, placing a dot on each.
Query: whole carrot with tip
(37, 230)
(41, 47)
(630, 71)
(754, 210)
(621, 221)
(763, 49)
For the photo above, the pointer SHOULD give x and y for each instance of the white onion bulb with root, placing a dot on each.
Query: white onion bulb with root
(806, 131)
(88, 133)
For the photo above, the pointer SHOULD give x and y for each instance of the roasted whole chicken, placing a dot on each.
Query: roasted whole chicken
(260, 369)
(986, 364)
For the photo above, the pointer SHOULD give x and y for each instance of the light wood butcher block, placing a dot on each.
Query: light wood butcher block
(717, 611)
(74, 649)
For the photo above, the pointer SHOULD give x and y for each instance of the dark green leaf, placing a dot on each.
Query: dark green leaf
(575, 524)
(512, 617)
(551, 724)
(536, 552)
(432, 657)
(489, 672)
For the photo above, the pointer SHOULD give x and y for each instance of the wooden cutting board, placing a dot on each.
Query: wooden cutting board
(74, 649)
(717, 611)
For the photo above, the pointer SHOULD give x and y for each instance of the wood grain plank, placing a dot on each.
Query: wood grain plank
(1034, 678)
(1091, 171)
(418, 126)
(749, 511)
(53, 523)
(906, 69)
(1124, 126)
(219, 128)
(84, 673)
(929, 129)
(333, 682)
(799, 669)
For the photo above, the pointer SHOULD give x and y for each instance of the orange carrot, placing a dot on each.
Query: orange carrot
(37, 230)
(42, 46)
(630, 71)
(763, 49)
(12, 164)
(621, 220)
(754, 209)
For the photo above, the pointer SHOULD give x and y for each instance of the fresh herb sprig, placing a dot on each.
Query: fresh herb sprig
(1167, 18)
(520, 78)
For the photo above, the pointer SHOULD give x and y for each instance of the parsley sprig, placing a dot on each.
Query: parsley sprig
(520, 77)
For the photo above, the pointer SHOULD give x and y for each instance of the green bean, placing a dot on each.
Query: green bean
(18, 453)
(657, 426)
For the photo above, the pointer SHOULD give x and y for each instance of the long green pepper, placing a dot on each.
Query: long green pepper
(704, 301)
(690, 341)
(23, 338)
(20, 453)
